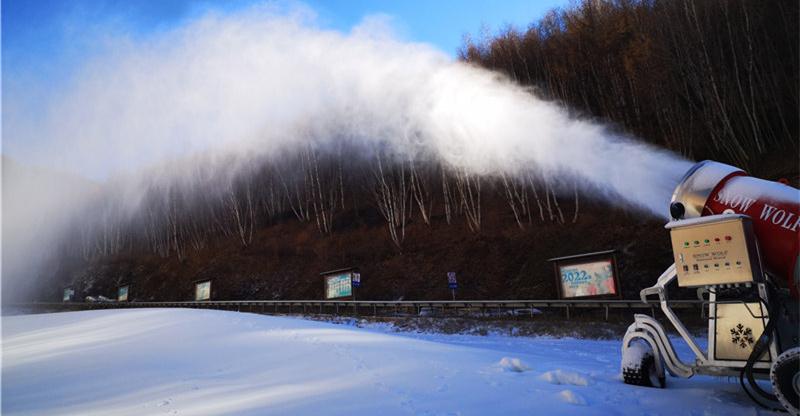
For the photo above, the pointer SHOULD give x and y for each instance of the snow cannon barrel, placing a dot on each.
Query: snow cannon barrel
(711, 188)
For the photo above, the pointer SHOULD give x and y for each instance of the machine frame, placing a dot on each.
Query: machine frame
(651, 331)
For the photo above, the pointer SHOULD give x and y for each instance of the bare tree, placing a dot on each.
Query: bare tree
(420, 189)
(447, 196)
(469, 189)
(517, 197)
(391, 193)
(239, 203)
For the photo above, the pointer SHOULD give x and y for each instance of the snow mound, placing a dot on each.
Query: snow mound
(513, 364)
(565, 377)
(569, 396)
(634, 355)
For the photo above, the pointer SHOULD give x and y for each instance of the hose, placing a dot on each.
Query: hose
(774, 310)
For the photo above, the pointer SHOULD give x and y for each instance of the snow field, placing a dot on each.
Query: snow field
(204, 362)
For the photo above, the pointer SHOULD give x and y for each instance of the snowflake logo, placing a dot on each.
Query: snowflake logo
(741, 336)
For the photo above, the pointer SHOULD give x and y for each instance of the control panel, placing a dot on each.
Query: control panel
(715, 250)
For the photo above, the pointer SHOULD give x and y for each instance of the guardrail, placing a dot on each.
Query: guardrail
(337, 307)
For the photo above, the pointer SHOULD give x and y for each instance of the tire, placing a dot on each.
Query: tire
(643, 372)
(785, 378)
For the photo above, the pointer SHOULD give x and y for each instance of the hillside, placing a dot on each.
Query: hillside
(284, 260)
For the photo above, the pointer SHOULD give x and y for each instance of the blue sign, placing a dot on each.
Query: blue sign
(451, 280)
(356, 279)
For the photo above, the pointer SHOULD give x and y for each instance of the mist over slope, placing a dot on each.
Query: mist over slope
(38, 204)
(191, 111)
(257, 82)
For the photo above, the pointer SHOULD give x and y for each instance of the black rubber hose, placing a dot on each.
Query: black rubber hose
(773, 313)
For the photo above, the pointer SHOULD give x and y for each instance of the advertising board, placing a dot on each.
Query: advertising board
(587, 275)
(122, 293)
(202, 290)
(338, 286)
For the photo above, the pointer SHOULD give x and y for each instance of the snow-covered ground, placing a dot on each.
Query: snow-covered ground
(202, 362)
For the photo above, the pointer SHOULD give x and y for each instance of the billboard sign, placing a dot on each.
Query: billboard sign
(202, 290)
(339, 285)
(587, 275)
(122, 293)
(356, 279)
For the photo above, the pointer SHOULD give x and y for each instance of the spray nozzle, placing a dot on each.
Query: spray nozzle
(676, 210)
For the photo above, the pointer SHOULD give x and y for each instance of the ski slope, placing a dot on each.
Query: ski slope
(203, 362)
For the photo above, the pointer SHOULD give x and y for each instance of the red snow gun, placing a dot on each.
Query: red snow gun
(735, 238)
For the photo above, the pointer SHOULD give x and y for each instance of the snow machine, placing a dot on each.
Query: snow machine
(735, 240)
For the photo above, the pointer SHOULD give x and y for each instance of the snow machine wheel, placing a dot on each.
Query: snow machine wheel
(642, 370)
(785, 378)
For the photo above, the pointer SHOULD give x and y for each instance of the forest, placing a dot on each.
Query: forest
(708, 79)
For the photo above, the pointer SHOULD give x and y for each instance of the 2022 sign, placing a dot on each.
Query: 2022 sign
(587, 275)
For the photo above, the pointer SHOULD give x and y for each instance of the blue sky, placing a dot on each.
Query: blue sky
(42, 40)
